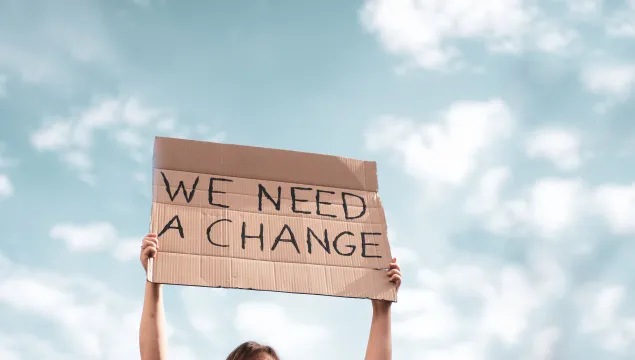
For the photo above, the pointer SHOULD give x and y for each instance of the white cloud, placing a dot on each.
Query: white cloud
(405, 255)
(616, 204)
(6, 187)
(560, 146)
(73, 137)
(548, 208)
(8, 354)
(585, 7)
(290, 338)
(601, 317)
(166, 125)
(610, 79)
(427, 31)
(551, 205)
(52, 137)
(91, 237)
(204, 131)
(42, 47)
(487, 196)
(620, 23)
(554, 41)
(95, 322)
(544, 343)
(505, 296)
(201, 306)
(182, 352)
(130, 138)
(131, 123)
(449, 150)
(20, 346)
(137, 114)
(622, 26)
(426, 316)
(97, 236)
(614, 82)
(219, 137)
(126, 249)
(78, 160)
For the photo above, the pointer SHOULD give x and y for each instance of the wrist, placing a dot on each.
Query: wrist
(153, 289)
(381, 307)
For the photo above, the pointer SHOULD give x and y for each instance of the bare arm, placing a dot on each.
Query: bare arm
(152, 340)
(380, 338)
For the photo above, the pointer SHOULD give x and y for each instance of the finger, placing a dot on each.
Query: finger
(149, 252)
(150, 242)
(394, 266)
(148, 245)
(393, 272)
(152, 235)
(396, 278)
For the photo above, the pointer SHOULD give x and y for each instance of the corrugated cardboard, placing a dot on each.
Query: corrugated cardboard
(254, 218)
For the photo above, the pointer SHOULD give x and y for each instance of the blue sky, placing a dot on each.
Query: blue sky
(503, 134)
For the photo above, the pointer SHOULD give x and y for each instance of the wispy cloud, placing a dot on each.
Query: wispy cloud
(560, 146)
(428, 33)
(95, 323)
(291, 338)
(97, 236)
(41, 47)
(612, 81)
(127, 120)
(447, 150)
(6, 186)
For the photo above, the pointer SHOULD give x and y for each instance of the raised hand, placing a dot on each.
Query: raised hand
(149, 248)
(394, 276)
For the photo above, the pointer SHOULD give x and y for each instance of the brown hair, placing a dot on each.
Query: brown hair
(251, 350)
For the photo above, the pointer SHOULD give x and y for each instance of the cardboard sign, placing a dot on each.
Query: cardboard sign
(253, 218)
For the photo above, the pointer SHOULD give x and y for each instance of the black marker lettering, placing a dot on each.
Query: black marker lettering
(209, 230)
(294, 200)
(364, 244)
(212, 191)
(352, 247)
(260, 236)
(318, 202)
(325, 245)
(291, 238)
(187, 197)
(169, 226)
(262, 190)
(345, 205)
